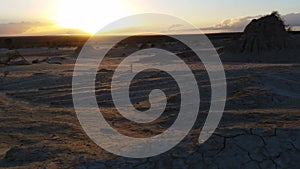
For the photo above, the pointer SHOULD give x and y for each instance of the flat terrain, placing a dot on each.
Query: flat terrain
(39, 127)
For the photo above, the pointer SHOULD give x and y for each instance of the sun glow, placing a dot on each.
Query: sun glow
(89, 15)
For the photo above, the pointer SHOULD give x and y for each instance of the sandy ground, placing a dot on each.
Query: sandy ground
(39, 127)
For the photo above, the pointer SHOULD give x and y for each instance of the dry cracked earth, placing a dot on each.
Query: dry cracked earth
(259, 127)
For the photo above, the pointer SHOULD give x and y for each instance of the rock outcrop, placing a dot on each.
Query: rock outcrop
(263, 39)
(265, 34)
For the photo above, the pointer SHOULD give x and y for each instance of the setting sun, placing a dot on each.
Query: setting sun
(90, 16)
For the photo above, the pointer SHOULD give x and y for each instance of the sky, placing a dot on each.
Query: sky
(44, 17)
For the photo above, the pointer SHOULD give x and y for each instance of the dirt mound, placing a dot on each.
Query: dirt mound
(13, 58)
(264, 39)
(264, 34)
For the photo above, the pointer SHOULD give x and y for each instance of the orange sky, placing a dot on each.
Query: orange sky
(41, 17)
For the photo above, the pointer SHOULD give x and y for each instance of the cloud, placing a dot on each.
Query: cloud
(233, 24)
(174, 27)
(34, 28)
(239, 24)
(228, 25)
(292, 19)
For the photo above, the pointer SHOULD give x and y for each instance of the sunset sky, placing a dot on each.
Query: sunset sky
(44, 17)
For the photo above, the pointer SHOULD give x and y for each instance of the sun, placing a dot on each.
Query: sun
(90, 15)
